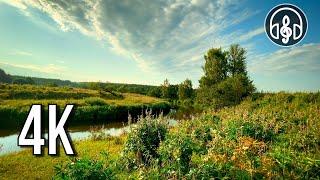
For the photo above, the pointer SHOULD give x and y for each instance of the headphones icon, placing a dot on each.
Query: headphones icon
(285, 31)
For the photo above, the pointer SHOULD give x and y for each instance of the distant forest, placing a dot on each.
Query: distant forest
(119, 87)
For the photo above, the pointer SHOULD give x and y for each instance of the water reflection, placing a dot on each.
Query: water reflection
(8, 143)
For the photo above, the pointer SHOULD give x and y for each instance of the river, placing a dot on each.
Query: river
(9, 139)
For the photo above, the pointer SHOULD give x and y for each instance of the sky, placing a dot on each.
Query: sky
(144, 42)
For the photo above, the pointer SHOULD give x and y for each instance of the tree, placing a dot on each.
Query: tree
(215, 67)
(236, 60)
(169, 91)
(225, 81)
(154, 92)
(95, 85)
(23, 80)
(185, 90)
(5, 78)
(232, 90)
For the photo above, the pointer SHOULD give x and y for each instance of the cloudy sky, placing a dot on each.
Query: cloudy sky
(144, 42)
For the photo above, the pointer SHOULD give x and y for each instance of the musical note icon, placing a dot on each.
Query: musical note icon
(285, 31)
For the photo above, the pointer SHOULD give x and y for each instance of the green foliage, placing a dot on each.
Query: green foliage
(225, 81)
(279, 138)
(27, 80)
(185, 90)
(236, 60)
(267, 136)
(155, 92)
(233, 89)
(114, 87)
(175, 154)
(94, 101)
(257, 131)
(215, 68)
(144, 139)
(5, 78)
(84, 168)
(17, 92)
(208, 171)
(168, 90)
(92, 106)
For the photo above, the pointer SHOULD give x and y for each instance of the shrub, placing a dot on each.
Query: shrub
(83, 169)
(208, 170)
(144, 138)
(175, 154)
(93, 101)
(257, 131)
(293, 165)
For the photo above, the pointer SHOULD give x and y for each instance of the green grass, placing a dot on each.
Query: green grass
(128, 99)
(91, 105)
(267, 136)
(23, 165)
(26, 95)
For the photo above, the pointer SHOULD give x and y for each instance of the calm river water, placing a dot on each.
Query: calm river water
(9, 139)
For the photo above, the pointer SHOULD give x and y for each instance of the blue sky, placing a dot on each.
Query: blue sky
(144, 42)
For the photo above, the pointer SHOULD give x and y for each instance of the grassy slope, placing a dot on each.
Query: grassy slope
(25, 95)
(93, 105)
(275, 135)
(129, 99)
(23, 165)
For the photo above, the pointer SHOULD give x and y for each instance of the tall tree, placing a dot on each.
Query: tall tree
(169, 91)
(225, 81)
(237, 60)
(185, 90)
(215, 67)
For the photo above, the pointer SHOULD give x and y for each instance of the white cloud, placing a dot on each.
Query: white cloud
(158, 35)
(305, 58)
(251, 34)
(49, 68)
(21, 53)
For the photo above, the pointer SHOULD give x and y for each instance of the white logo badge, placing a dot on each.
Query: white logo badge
(286, 25)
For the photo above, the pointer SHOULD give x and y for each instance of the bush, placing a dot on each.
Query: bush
(93, 101)
(144, 138)
(208, 170)
(258, 132)
(175, 154)
(292, 164)
(83, 169)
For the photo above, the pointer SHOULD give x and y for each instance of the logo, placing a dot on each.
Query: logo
(286, 25)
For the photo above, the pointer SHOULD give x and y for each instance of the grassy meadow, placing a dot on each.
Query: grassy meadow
(267, 136)
(92, 106)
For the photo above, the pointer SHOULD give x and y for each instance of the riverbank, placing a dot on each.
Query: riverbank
(91, 106)
(266, 136)
(12, 166)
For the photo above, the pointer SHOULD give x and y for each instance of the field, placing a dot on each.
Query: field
(92, 106)
(267, 136)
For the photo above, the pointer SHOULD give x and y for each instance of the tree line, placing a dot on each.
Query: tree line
(225, 81)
